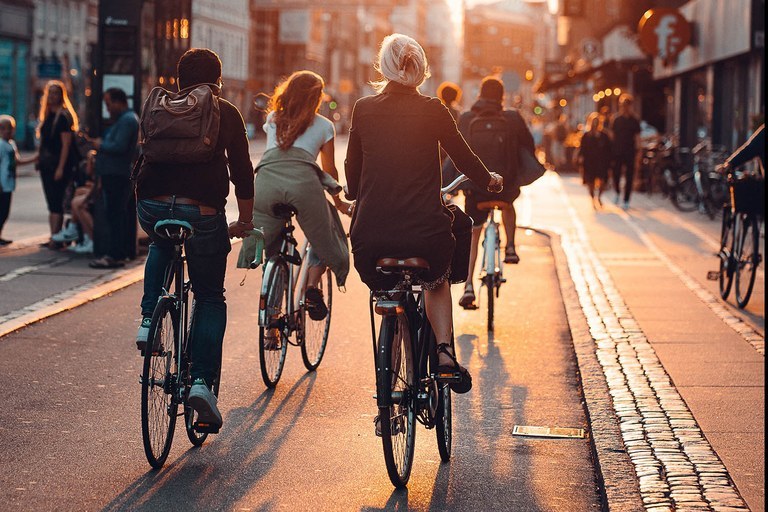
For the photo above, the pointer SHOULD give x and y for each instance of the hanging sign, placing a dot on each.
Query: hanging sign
(664, 33)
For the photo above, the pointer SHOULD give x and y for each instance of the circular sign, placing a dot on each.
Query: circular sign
(664, 33)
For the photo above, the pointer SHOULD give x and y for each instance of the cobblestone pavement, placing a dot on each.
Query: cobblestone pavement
(675, 466)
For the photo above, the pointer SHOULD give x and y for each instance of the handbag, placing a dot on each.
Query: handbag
(529, 170)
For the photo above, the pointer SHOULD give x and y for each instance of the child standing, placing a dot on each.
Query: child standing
(9, 158)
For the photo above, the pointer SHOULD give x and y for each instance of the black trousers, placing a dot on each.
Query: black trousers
(627, 162)
(5, 208)
(113, 210)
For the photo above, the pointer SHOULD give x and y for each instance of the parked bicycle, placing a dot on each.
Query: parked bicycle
(739, 253)
(702, 188)
(285, 315)
(166, 379)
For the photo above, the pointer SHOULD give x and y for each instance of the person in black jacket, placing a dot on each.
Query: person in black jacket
(594, 154)
(490, 102)
(393, 171)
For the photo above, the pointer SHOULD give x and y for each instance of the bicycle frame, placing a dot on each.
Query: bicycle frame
(492, 251)
(294, 256)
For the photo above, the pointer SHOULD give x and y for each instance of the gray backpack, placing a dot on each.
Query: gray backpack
(180, 127)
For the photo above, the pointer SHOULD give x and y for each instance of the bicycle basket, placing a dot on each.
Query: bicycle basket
(748, 195)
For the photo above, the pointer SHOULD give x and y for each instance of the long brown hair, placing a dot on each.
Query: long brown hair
(65, 104)
(294, 104)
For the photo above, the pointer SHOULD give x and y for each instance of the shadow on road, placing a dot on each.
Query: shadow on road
(233, 464)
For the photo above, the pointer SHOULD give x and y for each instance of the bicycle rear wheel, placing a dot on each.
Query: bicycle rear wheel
(491, 288)
(444, 414)
(685, 196)
(396, 386)
(747, 257)
(159, 402)
(273, 308)
(725, 279)
(315, 336)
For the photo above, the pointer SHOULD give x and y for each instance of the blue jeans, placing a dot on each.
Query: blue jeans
(206, 263)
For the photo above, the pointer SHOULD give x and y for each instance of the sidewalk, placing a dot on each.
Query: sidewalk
(685, 371)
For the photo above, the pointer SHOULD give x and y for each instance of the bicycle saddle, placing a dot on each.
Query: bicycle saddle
(491, 205)
(284, 211)
(401, 264)
(174, 230)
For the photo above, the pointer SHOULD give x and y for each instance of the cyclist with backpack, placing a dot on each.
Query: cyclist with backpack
(496, 135)
(193, 144)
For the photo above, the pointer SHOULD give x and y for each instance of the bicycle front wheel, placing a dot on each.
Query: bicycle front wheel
(158, 384)
(315, 336)
(747, 257)
(396, 387)
(273, 321)
(685, 196)
(725, 279)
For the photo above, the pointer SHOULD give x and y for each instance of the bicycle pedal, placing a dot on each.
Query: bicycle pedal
(206, 428)
(713, 275)
(448, 377)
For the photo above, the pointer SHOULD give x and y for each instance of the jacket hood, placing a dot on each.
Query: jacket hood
(484, 105)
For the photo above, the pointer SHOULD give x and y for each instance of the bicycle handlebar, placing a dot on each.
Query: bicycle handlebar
(454, 184)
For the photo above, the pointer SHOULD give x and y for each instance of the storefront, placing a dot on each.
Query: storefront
(15, 39)
(715, 87)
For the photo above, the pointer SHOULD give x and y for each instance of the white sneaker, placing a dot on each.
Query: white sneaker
(204, 402)
(84, 247)
(67, 234)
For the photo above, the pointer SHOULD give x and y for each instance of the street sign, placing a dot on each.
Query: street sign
(664, 33)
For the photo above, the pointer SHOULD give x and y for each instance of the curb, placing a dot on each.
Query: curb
(617, 483)
(71, 299)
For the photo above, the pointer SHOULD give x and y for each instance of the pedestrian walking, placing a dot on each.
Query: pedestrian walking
(393, 170)
(195, 192)
(625, 128)
(57, 156)
(9, 159)
(288, 173)
(496, 135)
(115, 154)
(594, 155)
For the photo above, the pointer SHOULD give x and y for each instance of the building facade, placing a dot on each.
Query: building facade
(16, 19)
(715, 89)
(225, 27)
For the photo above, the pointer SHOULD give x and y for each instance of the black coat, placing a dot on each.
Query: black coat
(393, 170)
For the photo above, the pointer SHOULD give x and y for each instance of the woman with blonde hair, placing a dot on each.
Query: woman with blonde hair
(393, 170)
(288, 174)
(57, 124)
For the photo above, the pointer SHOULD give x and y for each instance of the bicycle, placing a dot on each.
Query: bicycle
(283, 310)
(166, 378)
(493, 262)
(408, 386)
(702, 188)
(491, 276)
(740, 236)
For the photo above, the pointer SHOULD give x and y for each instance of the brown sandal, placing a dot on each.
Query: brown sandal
(467, 301)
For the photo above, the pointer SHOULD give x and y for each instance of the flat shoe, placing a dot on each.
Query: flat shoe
(105, 262)
(510, 256)
(467, 301)
(316, 308)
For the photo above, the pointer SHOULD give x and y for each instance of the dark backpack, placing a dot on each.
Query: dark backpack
(490, 138)
(180, 127)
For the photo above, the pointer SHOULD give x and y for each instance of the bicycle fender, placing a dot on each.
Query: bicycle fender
(389, 307)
